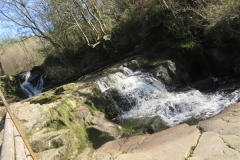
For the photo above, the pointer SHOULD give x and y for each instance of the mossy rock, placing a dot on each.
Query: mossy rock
(133, 65)
(44, 99)
(68, 88)
(10, 87)
(56, 125)
(138, 63)
(137, 126)
(166, 72)
(104, 103)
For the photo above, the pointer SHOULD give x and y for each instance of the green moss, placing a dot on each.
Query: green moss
(131, 126)
(85, 85)
(188, 45)
(28, 135)
(209, 28)
(44, 99)
(136, 126)
(67, 89)
(80, 136)
(90, 104)
(63, 118)
(56, 125)
(93, 107)
(80, 131)
(63, 112)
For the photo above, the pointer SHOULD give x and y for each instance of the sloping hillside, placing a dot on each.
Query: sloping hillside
(18, 56)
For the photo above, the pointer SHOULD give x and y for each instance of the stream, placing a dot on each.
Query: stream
(141, 95)
(32, 85)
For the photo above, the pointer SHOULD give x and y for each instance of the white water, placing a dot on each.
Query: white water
(28, 88)
(148, 97)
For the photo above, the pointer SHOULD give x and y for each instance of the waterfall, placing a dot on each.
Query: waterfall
(30, 89)
(142, 95)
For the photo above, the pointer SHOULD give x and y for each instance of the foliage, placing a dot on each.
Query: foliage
(71, 24)
(190, 20)
(64, 24)
(188, 45)
(114, 27)
(6, 42)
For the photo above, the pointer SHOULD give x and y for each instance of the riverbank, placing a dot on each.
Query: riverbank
(79, 121)
(217, 138)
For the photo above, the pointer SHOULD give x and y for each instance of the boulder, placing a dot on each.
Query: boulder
(142, 125)
(59, 125)
(170, 73)
(133, 65)
(109, 103)
(166, 72)
(205, 85)
(99, 130)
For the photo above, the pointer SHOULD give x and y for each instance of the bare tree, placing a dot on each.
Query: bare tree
(64, 23)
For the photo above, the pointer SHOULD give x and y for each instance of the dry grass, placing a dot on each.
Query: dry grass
(20, 56)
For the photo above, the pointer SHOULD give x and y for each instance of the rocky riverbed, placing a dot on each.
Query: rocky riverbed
(86, 119)
(72, 122)
(217, 138)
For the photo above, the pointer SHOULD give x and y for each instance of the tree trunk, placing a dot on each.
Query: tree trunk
(1, 67)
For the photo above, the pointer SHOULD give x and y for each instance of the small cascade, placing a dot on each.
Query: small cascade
(28, 88)
(141, 95)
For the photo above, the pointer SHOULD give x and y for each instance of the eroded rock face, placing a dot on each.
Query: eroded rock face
(59, 125)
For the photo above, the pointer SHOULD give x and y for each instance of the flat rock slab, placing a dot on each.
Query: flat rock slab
(173, 143)
(232, 141)
(227, 123)
(212, 146)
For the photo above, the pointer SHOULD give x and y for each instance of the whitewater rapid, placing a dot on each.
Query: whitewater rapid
(144, 96)
(29, 89)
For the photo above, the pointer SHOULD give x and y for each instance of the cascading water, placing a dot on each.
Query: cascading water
(29, 89)
(144, 96)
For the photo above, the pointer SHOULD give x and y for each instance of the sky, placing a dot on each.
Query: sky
(7, 30)
(4, 32)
